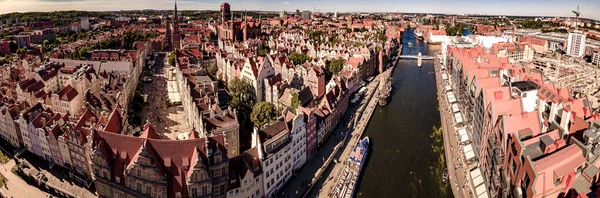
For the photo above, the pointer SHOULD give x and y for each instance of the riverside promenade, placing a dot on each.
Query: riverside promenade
(360, 122)
(457, 172)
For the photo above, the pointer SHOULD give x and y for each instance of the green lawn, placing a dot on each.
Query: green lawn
(3, 157)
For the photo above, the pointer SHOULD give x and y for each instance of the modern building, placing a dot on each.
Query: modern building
(85, 24)
(306, 15)
(39, 36)
(576, 44)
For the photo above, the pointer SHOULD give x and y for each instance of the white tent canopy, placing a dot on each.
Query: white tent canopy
(448, 88)
(458, 117)
(468, 150)
(464, 138)
(455, 108)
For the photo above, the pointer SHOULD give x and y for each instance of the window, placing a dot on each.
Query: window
(97, 172)
(204, 189)
(139, 187)
(222, 171)
(149, 190)
(195, 192)
(139, 173)
(105, 175)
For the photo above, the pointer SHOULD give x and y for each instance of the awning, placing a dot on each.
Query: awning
(468, 150)
(478, 180)
(475, 172)
(455, 108)
(462, 131)
(464, 138)
(458, 117)
(444, 76)
(448, 88)
(480, 190)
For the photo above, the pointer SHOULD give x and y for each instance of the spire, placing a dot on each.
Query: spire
(176, 10)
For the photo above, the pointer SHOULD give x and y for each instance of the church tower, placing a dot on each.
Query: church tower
(176, 33)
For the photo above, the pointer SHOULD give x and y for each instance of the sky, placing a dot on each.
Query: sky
(589, 8)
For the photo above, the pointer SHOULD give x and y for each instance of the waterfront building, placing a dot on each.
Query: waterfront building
(274, 146)
(576, 44)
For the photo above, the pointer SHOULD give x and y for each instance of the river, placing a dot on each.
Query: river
(401, 162)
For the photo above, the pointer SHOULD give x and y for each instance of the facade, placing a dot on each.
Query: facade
(246, 175)
(9, 123)
(539, 45)
(576, 44)
(596, 58)
(4, 49)
(515, 52)
(39, 36)
(128, 166)
(298, 132)
(274, 145)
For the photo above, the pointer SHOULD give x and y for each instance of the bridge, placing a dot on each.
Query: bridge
(415, 57)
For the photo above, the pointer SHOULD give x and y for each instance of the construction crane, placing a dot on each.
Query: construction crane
(577, 14)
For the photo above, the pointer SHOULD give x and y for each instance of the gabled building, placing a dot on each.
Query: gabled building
(274, 144)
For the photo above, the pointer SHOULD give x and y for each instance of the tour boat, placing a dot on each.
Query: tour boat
(418, 34)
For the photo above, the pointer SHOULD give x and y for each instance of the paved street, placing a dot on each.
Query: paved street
(15, 186)
(168, 120)
(300, 183)
(456, 171)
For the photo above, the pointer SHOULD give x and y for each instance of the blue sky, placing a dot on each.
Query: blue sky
(589, 8)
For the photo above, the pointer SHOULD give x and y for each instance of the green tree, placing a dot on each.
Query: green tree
(212, 69)
(263, 113)
(173, 58)
(299, 58)
(295, 102)
(242, 97)
(21, 50)
(47, 45)
(82, 52)
(336, 65)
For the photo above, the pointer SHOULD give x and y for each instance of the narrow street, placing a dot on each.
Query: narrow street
(168, 120)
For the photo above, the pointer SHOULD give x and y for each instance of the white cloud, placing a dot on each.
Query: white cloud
(286, 2)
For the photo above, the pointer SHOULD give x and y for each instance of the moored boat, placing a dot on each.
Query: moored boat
(418, 34)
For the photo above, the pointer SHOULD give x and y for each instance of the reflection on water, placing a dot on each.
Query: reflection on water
(401, 162)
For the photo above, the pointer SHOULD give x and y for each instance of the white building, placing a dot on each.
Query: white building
(298, 138)
(596, 58)
(275, 153)
(576, 44)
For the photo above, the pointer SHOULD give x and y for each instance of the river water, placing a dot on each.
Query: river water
(401, 162)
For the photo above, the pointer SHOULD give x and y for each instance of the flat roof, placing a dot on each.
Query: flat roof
(525, 85)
